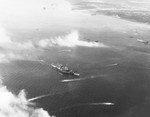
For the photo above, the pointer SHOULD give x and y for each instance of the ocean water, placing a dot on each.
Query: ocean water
(114, 68)
(106, 75)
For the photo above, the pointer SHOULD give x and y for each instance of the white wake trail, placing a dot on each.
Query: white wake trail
(80, 79)
(87, 104)
(39, 97)
(111, 65)
(65, 51)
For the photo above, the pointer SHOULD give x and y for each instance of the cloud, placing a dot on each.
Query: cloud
(30, 50)
(9, 55)
(140, 2)
(117, 5)
(18, 106)
(18, 14)
(6, 57)
(7, 43)
(12, 49)
(3, 37)
(70, 40)
(12, 105)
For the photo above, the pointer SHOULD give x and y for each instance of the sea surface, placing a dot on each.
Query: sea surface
(120, 77)
(114, 80)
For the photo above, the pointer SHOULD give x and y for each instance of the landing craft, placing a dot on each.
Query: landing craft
(143, 41)
(64, 70)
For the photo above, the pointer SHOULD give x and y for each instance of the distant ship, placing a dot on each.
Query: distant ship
(142, 41)
(64, 69)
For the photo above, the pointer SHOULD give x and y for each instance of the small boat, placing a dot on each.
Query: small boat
(142, 41)
(64, 69)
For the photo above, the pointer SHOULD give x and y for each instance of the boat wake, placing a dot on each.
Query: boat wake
(65, 50)
(38, 97)
(86, 104)
(43, 96)
(111, 65)
(80, 79)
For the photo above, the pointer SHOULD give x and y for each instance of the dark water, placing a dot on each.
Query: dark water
(125, 84)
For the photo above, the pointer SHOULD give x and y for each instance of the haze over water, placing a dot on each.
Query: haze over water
(102, 48)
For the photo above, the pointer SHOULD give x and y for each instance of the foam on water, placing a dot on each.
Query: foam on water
(80, 79)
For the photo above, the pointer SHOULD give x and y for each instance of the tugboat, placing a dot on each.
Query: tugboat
(64, 69)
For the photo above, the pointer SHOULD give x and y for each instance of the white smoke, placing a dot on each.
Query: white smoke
(11, 49)
(70, 40)
(7, 43)
(17, 105)
(4, 38)
(12, 105)
(29, 50)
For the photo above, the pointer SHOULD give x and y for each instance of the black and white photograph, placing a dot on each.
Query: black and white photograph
(74, 58)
